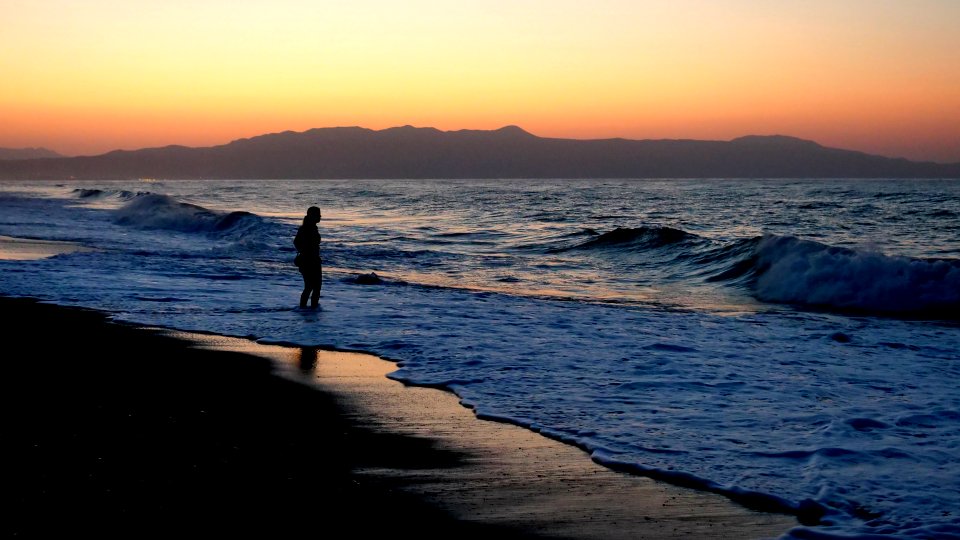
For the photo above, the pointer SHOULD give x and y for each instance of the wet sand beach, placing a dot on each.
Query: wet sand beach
(115, 430)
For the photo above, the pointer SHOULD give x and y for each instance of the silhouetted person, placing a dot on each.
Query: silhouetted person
(307, 243)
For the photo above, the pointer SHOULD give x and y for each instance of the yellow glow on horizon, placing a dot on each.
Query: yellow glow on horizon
(874, 75)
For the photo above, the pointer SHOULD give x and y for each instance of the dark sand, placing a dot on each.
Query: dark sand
(113, 430)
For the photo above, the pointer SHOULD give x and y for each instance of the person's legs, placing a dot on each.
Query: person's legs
(306, 289)
(317, 285)
(312, 282)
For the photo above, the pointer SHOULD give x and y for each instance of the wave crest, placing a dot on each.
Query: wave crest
(791, 270)
(635, 238)
(123, 195)
(153, 211)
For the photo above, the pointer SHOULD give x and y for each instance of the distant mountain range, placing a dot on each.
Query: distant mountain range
(27, 153)
(509, 152)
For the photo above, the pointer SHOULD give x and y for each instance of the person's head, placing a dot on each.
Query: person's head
(313, 216)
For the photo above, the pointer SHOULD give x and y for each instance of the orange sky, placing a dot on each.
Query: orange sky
(882, 76)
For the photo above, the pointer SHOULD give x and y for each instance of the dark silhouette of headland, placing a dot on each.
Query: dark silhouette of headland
(27, 153)
(509, 152)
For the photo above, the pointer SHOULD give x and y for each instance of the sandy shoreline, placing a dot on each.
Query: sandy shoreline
(249, 451)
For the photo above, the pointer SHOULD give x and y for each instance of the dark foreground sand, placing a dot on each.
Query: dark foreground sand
(111, 430)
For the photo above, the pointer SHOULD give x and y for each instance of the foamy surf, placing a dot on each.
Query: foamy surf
(797, 398)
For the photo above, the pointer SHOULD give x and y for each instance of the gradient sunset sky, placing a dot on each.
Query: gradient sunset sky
(85, 77)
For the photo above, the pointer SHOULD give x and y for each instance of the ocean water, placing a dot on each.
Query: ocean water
(791, 344)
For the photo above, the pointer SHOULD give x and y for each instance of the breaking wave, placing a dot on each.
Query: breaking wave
(153, 211)
(790, 270)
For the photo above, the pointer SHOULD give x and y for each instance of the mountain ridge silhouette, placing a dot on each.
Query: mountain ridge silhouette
(28, 153)
(508, 152)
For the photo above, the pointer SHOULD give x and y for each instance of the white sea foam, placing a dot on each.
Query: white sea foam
(805, 272)
(854, 418)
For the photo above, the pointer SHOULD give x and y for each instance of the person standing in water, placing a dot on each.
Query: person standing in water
(307, 243)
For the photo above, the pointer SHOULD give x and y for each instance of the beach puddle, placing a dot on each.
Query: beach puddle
(304, 364)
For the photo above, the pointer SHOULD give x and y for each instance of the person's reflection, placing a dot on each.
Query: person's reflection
(308, 359)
